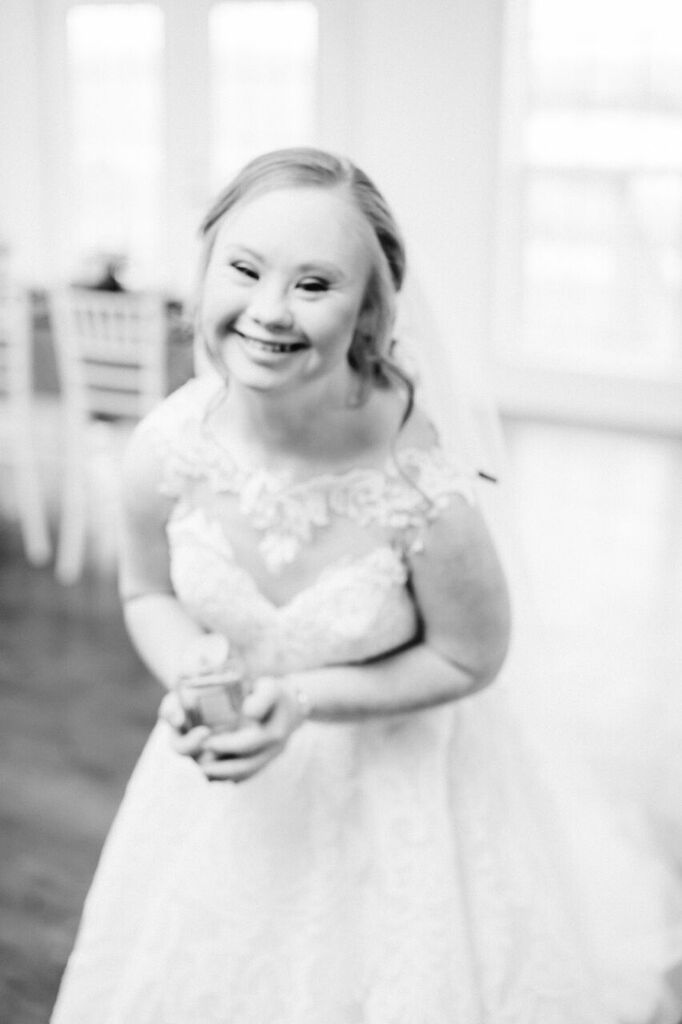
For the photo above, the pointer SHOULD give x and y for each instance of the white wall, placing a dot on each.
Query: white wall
(426, 100)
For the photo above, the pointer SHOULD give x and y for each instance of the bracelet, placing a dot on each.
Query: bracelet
(303, 703)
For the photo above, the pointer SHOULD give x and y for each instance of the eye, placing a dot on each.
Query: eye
(314, 284)
(245, 269)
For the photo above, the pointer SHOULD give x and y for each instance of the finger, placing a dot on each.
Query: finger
(244, 742)
(172, 712)
(205, 653)
(237, 769)
(262, 700)
(191, 743)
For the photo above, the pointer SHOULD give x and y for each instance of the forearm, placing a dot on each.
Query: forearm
(410, 680)
(161, 631)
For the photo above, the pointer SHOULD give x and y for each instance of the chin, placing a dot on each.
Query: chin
(258, 378)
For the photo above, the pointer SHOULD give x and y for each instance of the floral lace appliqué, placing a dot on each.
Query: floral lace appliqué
(403, 496)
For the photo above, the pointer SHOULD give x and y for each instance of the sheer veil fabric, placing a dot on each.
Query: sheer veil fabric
(624, 879)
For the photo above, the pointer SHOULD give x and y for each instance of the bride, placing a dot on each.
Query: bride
(374, 843)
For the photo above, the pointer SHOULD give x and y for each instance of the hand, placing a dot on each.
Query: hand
(186, 738)
(207, 653)
(271, 714)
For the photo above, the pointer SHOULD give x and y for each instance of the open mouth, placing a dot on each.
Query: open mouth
(277, 347)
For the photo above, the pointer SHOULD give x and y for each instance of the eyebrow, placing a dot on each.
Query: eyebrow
(308, 267)
(321, 265)
(244, 248)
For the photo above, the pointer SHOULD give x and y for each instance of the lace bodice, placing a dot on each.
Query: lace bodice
(359, 606)
(355, 610)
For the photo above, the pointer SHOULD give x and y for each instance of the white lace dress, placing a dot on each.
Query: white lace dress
(427, 869)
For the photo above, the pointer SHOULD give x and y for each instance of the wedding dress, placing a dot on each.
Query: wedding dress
(431, 868)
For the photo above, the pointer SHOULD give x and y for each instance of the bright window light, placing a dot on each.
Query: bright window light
(602, 267)
(263, 78)
(115, 56)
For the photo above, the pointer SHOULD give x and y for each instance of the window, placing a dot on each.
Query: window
(114, 66)
(144, 108)
(602, 186)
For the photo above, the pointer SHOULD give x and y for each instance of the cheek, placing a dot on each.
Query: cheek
(218, 303)
(337, 326)
(207, 301)
(206, 321)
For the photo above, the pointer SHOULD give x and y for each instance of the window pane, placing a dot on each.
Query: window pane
(115, 80)
(263, 68)
(602, 268)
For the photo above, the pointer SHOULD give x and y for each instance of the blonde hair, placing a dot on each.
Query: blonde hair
(371, 349)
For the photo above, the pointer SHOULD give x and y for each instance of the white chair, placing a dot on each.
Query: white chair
(111, 354)
(17, 438)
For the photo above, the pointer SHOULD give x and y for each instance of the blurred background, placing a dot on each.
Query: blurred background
(532, 150)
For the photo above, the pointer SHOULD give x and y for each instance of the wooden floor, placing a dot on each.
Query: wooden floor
(601, 522)
(75, 707)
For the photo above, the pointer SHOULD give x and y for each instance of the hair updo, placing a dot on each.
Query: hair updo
(371, 349)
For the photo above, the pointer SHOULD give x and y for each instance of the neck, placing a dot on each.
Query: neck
(302, 424)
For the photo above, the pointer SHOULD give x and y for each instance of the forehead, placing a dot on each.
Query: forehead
(298, 225)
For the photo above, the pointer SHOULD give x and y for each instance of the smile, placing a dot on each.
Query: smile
(280, 347)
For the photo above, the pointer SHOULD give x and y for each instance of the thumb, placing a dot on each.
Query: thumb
(262, 699)
(172, 711)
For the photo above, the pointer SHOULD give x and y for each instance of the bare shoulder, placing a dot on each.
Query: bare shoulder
(461, 590)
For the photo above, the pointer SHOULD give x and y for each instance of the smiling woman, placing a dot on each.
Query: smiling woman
(366, 844)
(290, 308)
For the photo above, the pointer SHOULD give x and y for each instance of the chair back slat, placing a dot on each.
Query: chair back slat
(15, 346)
(111, 349)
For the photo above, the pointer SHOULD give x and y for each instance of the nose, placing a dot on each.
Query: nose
(269, 307)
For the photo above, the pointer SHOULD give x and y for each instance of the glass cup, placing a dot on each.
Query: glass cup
(212, 685)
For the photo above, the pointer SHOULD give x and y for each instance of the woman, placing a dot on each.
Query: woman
(372, 847)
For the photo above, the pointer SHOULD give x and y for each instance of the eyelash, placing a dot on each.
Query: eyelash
(314, 284)
(243, 268)
(309, 284)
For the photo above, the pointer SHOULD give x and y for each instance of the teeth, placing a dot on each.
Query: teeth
(272, 346)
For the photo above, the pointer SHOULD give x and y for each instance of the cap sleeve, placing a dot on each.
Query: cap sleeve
(173, 430)
(433, 480)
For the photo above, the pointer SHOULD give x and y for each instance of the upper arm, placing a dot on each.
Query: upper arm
(461, 592)
(144, 555)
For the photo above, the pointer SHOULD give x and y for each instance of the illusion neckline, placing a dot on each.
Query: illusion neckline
(282, 481)
(402, 494)
(196, 520)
